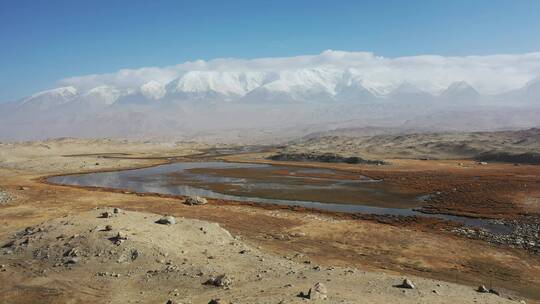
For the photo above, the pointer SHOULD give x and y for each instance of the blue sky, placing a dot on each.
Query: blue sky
(44, 41)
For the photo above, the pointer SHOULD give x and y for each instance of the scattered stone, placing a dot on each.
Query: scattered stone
(73, 252)
(106, 215)
(23, 188)
(219, 281)
(407, 284)
(71, 261)
(318, 291)
(523, 232)
(482, 289)
(119, 238)
(5, 197)
(298, 234)
(216, 301)
(108, 228)
(117, 210)
(135, 254)
(167, 220)
(195, 200)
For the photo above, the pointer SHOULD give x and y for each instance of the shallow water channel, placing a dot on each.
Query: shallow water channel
(323, 189)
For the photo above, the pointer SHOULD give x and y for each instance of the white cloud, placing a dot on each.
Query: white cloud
(488, 74)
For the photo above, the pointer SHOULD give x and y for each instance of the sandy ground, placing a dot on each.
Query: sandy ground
(382, 253)
(82, 262)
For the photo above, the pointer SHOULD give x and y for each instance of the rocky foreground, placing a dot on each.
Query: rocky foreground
(109, 255)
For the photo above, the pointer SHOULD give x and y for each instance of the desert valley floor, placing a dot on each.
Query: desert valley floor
(69, 243)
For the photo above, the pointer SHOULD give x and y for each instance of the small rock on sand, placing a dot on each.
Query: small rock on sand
(482, 288)
(195, 200)
(318, 291)
(72, 260)
(219, 281)
(106, 215)
(167, 220)
(407, 284)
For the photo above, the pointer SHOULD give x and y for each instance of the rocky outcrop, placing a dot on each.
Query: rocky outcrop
(520, 158)
(324, 158)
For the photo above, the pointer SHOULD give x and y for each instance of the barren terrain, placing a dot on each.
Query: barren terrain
(357, 258)
(485, 145)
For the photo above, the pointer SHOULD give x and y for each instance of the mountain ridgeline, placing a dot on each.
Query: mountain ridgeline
(261, 107)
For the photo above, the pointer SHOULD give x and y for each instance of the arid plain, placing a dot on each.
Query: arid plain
(57, 247)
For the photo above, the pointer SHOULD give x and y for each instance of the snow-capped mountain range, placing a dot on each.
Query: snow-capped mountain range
(188, 103)
(307, 85)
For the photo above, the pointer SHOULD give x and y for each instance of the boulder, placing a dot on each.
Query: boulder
(195, 200)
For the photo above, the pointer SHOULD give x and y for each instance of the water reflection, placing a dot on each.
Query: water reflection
(159, 179)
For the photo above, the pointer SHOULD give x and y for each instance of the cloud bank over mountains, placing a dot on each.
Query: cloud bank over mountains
(277, 98)
(431, 73)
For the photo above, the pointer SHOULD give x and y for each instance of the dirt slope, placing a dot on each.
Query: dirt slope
(80, 259)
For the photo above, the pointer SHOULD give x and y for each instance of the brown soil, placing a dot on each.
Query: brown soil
(462, 187)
